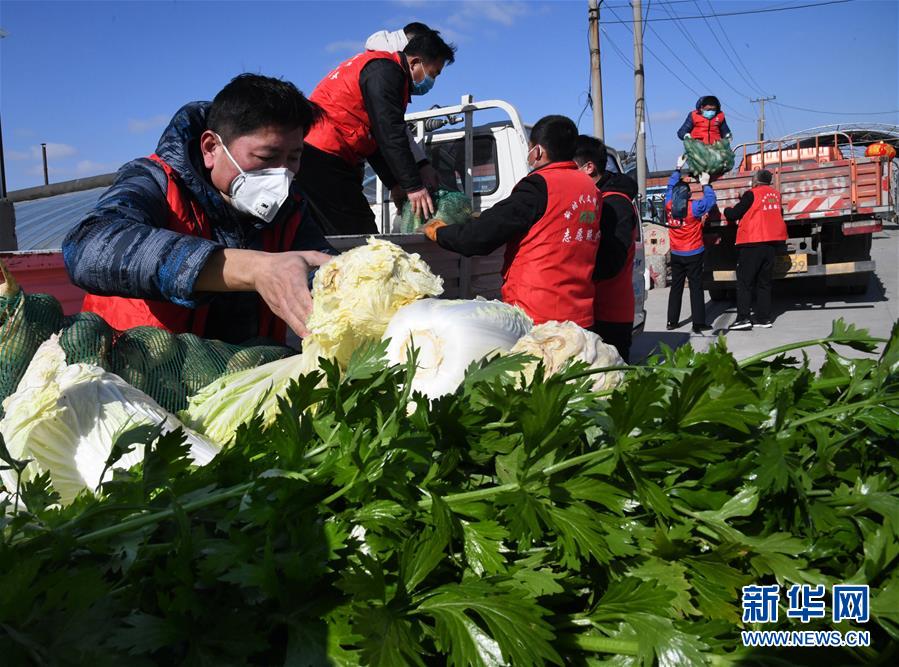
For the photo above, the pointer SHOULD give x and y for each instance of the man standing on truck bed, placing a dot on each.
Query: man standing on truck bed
(613, 308)
(685, 220)
(761, 230)
(207, 235)
(550, 224)
(365, 100)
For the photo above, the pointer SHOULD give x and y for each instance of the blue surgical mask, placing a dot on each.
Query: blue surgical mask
(710, 113)
(423, 86)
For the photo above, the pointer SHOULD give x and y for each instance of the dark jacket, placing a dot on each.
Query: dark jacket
(616, 224)
(382, 83)
(506, 220)
(123, 248)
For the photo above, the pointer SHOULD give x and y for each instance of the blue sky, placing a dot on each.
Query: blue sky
(98, 81)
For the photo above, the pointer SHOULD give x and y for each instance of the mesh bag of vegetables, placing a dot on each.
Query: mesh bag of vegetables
(168, 367)
(715, 159)
(26, 321)
(449, 205)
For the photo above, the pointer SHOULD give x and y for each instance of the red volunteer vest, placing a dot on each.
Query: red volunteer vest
(763, 221)
(187, 217)
(345, 130)
(549, 271)
(686, 234)
(705, 130)
(615, 296)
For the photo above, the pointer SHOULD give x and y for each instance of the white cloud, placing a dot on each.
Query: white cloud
(666, 116)
(504, 13)
(345, 45)
(91, 168)
(449, 34)
(54, 151)
(139, 125)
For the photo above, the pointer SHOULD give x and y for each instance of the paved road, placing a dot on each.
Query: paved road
(799, 313)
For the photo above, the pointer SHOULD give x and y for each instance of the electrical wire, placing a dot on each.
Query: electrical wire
(723, 48)
(754, 11)
(733, 112)
(835, 113)
(702, 55)
(740, 60)
(661, 62)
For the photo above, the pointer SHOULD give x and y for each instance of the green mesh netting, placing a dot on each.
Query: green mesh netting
(714, 159)
(26, 321)
(168, 367)
(450, 206)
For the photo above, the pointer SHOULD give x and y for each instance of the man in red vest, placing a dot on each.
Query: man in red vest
(761, 231)
(550, 225)
(207, 235)
(685, 220)
(613, 308)
(365, 100)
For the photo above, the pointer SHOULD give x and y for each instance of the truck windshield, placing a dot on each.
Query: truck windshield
(448, 159)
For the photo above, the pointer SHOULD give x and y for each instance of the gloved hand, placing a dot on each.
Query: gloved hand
(704, 178)
(681, 161)
(430, 228)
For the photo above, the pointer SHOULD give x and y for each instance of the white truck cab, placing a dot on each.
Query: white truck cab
(485, 161)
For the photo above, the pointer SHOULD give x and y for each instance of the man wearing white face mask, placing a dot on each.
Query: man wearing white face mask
(365, 100)
(209, 235)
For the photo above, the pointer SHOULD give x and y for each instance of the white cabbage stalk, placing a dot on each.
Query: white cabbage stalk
(558, 343)
(354, 297)
(232, 400)
(449, 336)
(66, 418)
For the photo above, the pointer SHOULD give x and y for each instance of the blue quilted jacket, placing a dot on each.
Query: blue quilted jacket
(122, 247)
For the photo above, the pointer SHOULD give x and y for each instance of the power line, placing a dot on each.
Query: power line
(837, 113)
(662, 62)
(740, 60)
(723, 48)
(708, 62)
(754, 11)
(690, 39)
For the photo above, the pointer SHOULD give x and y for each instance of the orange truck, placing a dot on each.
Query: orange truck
(834, 199)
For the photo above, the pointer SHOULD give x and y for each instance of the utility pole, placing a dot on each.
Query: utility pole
(595, 71)
(761, 124)
(639, 100)
(46, 172)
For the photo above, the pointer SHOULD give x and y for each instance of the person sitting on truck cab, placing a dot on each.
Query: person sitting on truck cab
(550, 225)
(761, 231)
(613, 308)
(706, 123)
(208, 235)
(365, 100)
(685, 218)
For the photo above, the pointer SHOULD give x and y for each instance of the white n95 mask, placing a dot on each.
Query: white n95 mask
(259, 192)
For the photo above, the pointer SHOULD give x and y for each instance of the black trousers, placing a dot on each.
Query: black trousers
(755, 273)
(617, 334)
(686, 267)
(335, 190)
